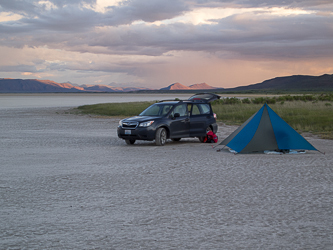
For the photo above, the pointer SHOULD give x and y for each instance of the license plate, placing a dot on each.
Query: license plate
(127, 132)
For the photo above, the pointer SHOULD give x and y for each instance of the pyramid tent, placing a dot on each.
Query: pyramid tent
(265, 130)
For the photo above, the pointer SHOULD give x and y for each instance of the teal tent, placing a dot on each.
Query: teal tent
(266, 131)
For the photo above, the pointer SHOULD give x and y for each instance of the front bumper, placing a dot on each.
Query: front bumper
(147, 133)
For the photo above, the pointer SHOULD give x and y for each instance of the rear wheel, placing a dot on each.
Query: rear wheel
(130, 142)
(160, 137)
(202, 138)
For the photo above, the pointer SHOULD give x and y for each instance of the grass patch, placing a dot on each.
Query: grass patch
(305, 113)
(115, 109)
(315, 117)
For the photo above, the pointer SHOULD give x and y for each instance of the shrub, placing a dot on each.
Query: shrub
(232, 100)
(325, 97)
(258, 100)
(281, 99)
(270, 100)
(262, 100)
(246, 101)
(289, 98)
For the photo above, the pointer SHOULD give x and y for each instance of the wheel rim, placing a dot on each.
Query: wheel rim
(163, 136)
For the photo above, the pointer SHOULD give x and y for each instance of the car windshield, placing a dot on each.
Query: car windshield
(157, 109)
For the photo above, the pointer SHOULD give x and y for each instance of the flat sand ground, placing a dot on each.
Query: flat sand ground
(68, 182)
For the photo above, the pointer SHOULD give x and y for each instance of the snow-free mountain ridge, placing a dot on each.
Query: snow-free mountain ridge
(179, 86)
(8, 85)
(291, 83)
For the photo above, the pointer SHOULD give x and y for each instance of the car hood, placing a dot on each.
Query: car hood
(140, 118)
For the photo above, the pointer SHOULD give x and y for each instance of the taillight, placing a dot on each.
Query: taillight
(214, 115)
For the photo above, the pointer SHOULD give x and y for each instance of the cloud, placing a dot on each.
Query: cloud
(19, 7)
(140, 40)
(260, 3)
(239, 35)
(145, 10)
(260, 31)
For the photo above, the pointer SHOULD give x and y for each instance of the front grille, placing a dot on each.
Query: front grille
(130, 125)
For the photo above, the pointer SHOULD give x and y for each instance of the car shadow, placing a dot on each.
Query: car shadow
(186, 141)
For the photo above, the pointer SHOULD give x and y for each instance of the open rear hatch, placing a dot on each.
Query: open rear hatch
(206, 97)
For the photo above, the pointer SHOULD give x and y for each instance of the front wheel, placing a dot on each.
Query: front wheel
(160, 137)
(130, 142)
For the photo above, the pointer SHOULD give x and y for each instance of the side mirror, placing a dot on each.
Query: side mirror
(176, 115)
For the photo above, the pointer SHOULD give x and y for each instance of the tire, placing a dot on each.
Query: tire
(202, 138)
(160, 137)
(130, 142)
(176, 139)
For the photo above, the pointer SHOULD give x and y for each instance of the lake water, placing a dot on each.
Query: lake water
(10, 101)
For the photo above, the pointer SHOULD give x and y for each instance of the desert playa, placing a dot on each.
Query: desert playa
(68, 182)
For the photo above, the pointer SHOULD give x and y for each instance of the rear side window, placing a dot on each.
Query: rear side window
(205, 109)
(200, 109)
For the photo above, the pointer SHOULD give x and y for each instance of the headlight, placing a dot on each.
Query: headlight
(121, 123)
(146, 124)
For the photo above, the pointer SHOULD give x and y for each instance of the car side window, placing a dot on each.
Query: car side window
(166, 109)
(200, 109)
(181, 109)
(205, 109)
(195, 109)
(189, 107)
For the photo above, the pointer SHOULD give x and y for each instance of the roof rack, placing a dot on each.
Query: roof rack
(194, 100)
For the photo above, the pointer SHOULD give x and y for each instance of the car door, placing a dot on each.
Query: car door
(200, 118)
(179, 125)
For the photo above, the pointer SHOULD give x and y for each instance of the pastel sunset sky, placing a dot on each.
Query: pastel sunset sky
(154, 43)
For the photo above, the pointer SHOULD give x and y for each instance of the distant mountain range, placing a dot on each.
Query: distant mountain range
(291, 83)
(107, 88)
(178, 86)
(8, 85)
(296, 82)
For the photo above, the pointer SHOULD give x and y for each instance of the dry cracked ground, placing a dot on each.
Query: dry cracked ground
(68, 182)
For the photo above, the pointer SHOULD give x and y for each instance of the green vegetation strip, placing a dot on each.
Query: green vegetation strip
(115, 109)
(305, 113)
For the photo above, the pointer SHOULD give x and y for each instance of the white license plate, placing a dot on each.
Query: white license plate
(127, 132)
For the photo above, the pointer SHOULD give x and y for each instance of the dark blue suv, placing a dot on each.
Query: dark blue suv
(171, 120)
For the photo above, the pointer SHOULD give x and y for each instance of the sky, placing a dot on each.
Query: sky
(155, 43)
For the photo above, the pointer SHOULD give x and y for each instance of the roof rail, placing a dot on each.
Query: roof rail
(179, 101)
